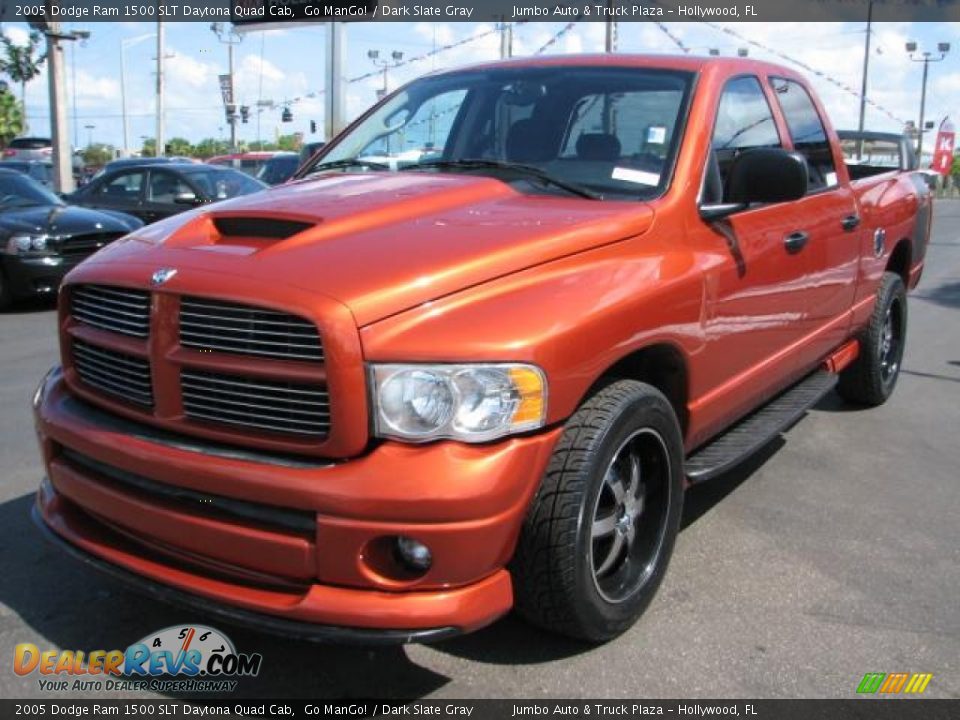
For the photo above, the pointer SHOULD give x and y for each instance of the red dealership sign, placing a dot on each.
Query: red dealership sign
(943, 150)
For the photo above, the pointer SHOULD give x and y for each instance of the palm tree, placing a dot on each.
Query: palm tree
(22, 63)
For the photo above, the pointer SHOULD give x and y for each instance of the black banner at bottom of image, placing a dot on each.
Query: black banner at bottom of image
(865, 708)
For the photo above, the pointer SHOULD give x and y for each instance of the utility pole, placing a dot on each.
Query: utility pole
(62, 158)
(866, 68)
(926, 58)
(334, 116)
(159, 147)
(506, 38)
(124, 44)
(233, 115)
(231, 37)
(610, 38)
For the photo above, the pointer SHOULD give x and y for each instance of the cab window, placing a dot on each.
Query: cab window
(744, 121)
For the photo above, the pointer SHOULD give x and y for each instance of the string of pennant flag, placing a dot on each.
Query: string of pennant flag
(805, 66)
(826, 77)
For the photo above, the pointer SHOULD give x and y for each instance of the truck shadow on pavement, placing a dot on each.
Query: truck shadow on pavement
(30, 307)
(68, 606)
(946, 294)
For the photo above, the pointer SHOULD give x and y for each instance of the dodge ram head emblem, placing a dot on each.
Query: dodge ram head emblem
(160, 276)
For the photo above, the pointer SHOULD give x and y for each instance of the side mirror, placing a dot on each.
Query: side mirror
(185, 198)
(761, 175)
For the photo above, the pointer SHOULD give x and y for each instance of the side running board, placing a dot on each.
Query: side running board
(758, 428)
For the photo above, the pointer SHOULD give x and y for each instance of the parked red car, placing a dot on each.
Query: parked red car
(407, 392)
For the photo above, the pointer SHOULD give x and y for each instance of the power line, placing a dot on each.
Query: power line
(552, 41)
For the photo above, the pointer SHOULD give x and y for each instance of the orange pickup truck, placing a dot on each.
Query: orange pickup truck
(471, 357)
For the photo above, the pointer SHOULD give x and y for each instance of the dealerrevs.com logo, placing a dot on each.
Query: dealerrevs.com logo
(184, 658)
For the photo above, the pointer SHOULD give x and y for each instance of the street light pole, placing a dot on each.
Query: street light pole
(374, 56)
(926, 58)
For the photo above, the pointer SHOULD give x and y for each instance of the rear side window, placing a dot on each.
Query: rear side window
(29, 143)
(807, 131)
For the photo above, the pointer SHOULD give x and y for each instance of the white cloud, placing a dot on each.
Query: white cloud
(17, 35)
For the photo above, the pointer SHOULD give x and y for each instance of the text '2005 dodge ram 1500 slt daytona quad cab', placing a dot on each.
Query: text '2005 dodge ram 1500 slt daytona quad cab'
(470, 358)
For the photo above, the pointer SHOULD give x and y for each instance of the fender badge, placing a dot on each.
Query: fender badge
(879, 240)
(160, 276)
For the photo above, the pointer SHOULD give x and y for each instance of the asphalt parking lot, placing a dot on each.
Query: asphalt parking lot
(833, 553)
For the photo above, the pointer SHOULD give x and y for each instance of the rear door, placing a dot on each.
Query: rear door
(122, 190)
(831, 221)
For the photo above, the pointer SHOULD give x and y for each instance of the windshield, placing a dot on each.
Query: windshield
(21, 191)
(278, 169)
(610, 130)
(220, 184)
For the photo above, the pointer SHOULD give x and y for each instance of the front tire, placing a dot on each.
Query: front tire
(598, 538)
(870, 380)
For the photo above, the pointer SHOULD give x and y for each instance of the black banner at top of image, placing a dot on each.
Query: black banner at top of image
(542, 709)
(258, 14)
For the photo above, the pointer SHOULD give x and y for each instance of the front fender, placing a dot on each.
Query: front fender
(573, 317)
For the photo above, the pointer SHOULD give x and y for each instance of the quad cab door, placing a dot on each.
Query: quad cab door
(756, 274)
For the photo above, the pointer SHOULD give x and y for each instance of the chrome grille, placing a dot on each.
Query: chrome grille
(112, 308)
(82, 245)
(118, 374)
(245, 330)
(283, 407)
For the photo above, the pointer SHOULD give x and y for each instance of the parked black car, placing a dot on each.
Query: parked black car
(279, 168)
(42, 238)
(310, 149)
(156, 191)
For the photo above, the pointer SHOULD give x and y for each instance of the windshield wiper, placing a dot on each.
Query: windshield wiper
(528, 170)
(347, 163)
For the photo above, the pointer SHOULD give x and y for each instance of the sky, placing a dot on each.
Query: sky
(286, 65)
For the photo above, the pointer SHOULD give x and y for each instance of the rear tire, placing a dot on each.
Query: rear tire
(870, 380)
(6, 295)
(598, 538)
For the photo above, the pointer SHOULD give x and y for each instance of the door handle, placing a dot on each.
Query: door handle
(850, 222)
(795, 241)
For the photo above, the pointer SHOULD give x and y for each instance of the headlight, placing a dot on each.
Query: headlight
(25, 244)
(473, 403)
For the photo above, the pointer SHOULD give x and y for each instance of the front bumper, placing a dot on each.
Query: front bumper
(36, 276)
(199, 541)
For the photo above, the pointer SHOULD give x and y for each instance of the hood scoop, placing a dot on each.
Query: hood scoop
(231, 228)
(237, 233)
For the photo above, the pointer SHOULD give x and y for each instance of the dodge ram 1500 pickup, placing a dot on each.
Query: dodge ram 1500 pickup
(470, 358)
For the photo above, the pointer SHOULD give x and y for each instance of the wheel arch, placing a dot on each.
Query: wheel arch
(899, 260)
(662, 365)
